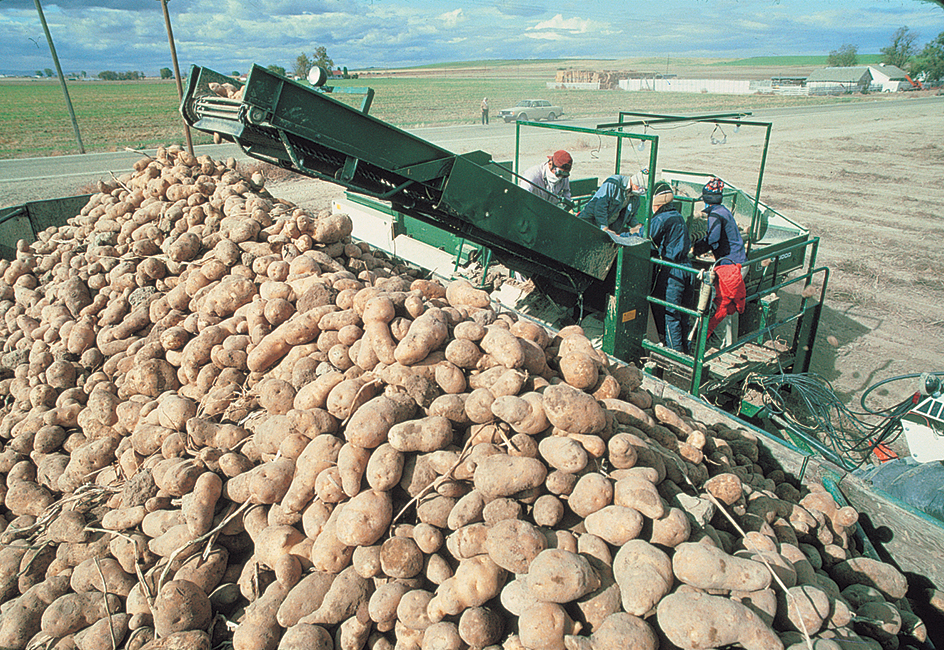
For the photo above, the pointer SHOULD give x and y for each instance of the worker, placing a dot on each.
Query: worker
(614, 205)
(726, 245)
(550, 179)
(671, 241)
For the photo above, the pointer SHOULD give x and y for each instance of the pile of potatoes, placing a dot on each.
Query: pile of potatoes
(225, 422)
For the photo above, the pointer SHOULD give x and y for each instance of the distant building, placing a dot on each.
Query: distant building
(590, 79)
(834, 81)
(891, 78)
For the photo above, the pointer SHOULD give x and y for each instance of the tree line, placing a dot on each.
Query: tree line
(926, 64)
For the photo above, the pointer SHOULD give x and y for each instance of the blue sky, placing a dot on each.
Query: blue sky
(227, 35)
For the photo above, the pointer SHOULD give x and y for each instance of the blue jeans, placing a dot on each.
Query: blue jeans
(675, 287)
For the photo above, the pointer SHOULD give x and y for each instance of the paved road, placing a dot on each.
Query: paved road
(29, 179)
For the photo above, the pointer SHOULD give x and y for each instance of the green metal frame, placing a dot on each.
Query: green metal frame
(736, 119)
(26, 221)
(768, 261)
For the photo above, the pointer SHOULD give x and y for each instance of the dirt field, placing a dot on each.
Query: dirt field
(867, 180)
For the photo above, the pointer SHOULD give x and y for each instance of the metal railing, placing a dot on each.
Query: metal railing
(809, 308)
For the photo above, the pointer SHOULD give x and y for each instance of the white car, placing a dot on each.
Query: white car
(531, 110)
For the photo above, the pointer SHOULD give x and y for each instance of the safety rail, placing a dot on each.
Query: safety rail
(806, 319)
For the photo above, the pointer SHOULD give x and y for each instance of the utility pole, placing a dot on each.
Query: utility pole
(173, 56)
(62, 79)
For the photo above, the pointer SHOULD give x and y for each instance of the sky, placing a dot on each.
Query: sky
(230, 35)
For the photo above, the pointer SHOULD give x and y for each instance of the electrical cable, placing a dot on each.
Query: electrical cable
(816, 411)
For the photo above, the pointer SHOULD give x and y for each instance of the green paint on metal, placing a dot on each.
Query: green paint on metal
(627, 309)
(514, 215)
(27, 220)
(749, 410)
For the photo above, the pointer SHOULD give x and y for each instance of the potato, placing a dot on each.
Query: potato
(365, 519)
(872, 573)
(462, 293)
(579, 370)
(564, 454)
(370, 424)
(591, 492)
(543, 626)
(621, 630)
(427, 333)
(400, 557)
(615, 524)
(572, 410)
(304, 598)
(514, 544)
(707, 567)
(476, 581)
(644, 575)
(698, 620)
(423, 435)
(347, 593)
(525, 414)
(480, 627)
(23, 616)
(306, 637)
(559, 576)
(71, 612)
(383, 603)
(501, 475)
(87, 576)
(634, 491)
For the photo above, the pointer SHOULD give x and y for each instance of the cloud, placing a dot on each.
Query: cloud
(558, 22)
(232, 34)
(452, 18)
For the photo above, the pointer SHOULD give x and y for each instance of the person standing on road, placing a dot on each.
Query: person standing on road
(672, 243)
(614, 205)
(550, 179)
(485, 110)
(724, 241)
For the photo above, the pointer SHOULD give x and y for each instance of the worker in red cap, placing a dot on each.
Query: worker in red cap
(551, 179)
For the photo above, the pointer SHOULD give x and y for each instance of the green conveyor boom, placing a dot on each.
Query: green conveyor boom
(305, 129)
(309, 131)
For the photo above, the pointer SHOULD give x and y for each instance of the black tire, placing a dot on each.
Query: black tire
(522, 117)
(551, 117)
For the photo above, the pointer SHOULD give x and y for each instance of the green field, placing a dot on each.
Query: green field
(110, 115)
(143, 114)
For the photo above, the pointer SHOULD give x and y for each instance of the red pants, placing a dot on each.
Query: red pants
(730, 294)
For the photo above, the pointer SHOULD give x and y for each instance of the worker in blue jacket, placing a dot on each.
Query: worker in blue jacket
(723, 237)
(724, 241)
(614, 205)
(670, 238)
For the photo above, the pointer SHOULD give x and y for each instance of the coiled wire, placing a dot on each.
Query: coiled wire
(808, 403)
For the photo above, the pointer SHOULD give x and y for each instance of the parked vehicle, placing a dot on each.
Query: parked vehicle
(531, 110)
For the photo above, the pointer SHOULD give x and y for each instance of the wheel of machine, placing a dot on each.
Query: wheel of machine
(522, 117)
(551, 117)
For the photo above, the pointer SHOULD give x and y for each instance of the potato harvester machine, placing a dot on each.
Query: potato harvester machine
(451, 200)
